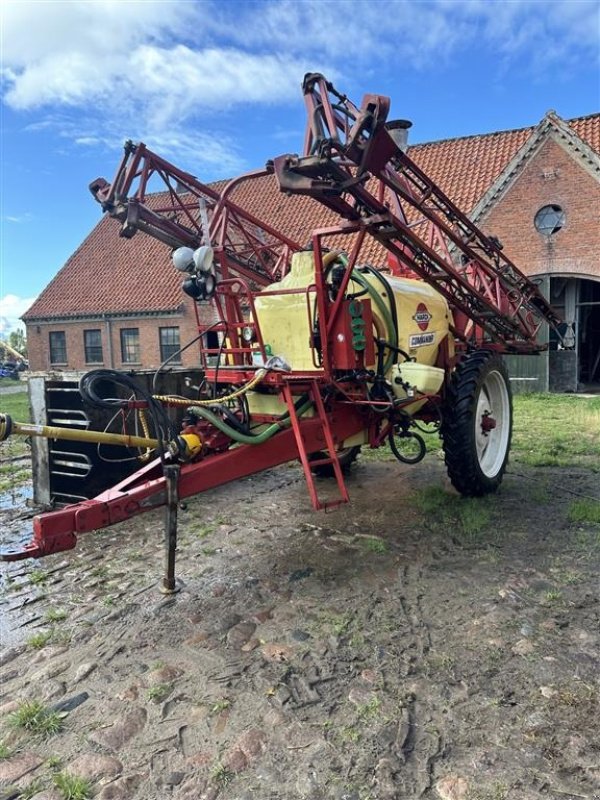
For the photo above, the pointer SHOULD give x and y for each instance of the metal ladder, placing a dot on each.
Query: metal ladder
(330, 457)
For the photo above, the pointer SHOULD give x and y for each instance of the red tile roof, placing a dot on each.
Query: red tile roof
(588, 129)
(108, 274)
(111, 275)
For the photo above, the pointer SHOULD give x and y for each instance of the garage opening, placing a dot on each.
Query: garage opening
(577, 300)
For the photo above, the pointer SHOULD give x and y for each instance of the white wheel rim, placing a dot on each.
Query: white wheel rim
(493, 406)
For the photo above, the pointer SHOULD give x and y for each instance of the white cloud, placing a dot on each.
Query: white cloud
(57, 53)
(160, 70)
(19, 219)
(105, 71)
(542, 34)
(356, 34)
(11, 308)
(198, 151)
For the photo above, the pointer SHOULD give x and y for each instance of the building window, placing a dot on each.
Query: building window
(58, 347)
(169, 344)
(549, 220)
(92, 342)
(130, 345)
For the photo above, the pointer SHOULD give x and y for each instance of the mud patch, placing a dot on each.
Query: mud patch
(410, 645)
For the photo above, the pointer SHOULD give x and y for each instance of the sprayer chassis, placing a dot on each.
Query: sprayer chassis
(353, 165)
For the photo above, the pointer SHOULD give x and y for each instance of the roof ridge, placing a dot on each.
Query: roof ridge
(506, 130)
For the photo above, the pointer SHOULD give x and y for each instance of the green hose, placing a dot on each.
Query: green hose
(383, 310)
(247, 438)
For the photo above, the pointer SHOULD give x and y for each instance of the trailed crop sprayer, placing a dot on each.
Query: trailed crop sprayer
(319, 353)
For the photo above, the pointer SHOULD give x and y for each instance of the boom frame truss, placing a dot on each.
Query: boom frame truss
(354, 165)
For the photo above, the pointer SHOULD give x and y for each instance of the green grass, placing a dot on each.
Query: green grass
(160, 692)
(14, 477)
(202, 531)
(350, 734)
(549, 430)
(585, 510)
(39, 640)
(33, 789)
(221, 775)
(99, 572)
(220, 706)
(16, 405)
(55, 615)
(467, 517)
(553, 596)
(369, 710)
(33, 716)
(5, 751)
(338, 623)
(557, 430)
(38, 576)
(433, 444)
(72, 787)
(372, 544)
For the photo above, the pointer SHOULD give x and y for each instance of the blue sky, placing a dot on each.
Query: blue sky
(215, 88)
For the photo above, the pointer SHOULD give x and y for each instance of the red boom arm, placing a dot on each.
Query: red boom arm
(354, 165)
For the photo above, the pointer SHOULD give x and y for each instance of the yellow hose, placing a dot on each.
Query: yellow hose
(180, 401)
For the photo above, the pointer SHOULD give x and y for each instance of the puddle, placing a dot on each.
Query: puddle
(15, 499)
(16, 527)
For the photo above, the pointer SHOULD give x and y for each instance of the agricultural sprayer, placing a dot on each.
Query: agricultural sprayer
(318, 352)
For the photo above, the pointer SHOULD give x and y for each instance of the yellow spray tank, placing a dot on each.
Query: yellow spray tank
(422, 315)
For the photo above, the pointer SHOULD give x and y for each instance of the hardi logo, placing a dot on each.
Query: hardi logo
(422, 316)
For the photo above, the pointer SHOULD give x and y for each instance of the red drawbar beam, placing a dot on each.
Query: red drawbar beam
(56, 531)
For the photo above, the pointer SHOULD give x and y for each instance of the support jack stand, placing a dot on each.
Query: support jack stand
(169, 583)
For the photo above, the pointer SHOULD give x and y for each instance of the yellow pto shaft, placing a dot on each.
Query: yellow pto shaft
(187, 445)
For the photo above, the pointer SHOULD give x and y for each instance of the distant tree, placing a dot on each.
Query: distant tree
(17, 340)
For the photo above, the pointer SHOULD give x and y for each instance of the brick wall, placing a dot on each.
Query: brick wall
(551, 177)
(150, 357)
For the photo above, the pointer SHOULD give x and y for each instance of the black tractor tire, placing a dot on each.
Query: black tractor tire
(346, 457)
(477, 424)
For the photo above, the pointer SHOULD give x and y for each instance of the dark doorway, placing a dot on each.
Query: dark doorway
(577, 300)
(588, 337)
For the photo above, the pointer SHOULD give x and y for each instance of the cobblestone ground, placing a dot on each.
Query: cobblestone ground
(410, 645)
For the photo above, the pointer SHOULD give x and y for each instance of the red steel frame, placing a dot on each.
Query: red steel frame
(242, 242)
(144, 491)
(352, 165)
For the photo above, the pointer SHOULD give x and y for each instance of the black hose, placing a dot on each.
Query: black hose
(406, 459)
(391, 298)
(163, 428)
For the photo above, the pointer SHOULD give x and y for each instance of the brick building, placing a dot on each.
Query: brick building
(118, 303)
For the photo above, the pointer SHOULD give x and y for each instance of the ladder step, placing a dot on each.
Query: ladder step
(330, 456)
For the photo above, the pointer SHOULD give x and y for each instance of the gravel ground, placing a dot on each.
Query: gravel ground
(410, 645)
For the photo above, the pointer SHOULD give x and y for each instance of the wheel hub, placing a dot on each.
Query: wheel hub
(488, 423)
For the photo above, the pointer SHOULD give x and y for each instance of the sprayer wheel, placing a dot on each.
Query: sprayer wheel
(346, 457)
(477, 424)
